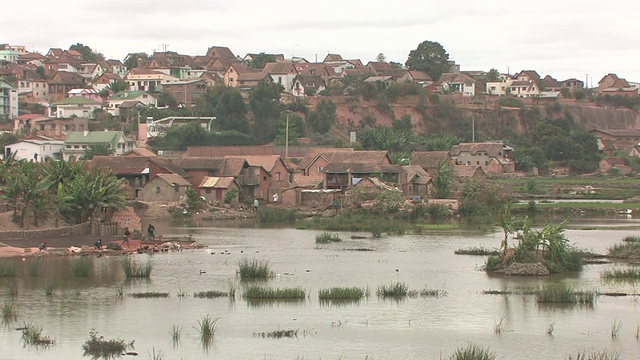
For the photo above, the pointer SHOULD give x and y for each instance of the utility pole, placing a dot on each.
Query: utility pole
(473, 129)
(164, 47)
(508, 67)
(286, 136)
(586, 82)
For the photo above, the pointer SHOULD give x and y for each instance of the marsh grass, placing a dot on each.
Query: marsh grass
(276, 214)
(81, 267)
(254, 269)
(595, 355)
(12, 289)
(477, 250)
(342, 293)
(7, 269)
(34, 266)
(325, 238)
(631, 239)
(149, 295)
(560, 294)
(394, 290)
(211, 294)
(97, 347)
(120, 291)
(153, 355)
(176, 333)
(631, 274)
(615, 328)
(427, 293)
(277, 334)
(624, 250)
(498, 328)
(207, 327)
(9, 312)
(256, 292)
(32, 335)
(136, 269)
(473, 352)
(356, 221)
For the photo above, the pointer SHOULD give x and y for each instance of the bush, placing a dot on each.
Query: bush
(275, 215)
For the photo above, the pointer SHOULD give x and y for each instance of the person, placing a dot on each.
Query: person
(275, 197)
(151, 232)
(98, 244)
(43, 246)
(336, 205)
(255, 204)
(127, 233)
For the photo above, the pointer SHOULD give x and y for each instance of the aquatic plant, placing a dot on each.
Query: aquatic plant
(232, 290)
(498, 327)
(341, 293)
(493, 263)
(98, 347)
(48, 290)
(595, 355)
(550, 329)
(156, 355)
(149, 295)
(120, 291)
(615, 328)
(631, 238)
(264, 292)
(396, 290)
(207, 328)
(325, 238)
(176, 333)
(9, 312)
(82, 266)
(426, 293)
(625, 250)
(561, 294)
(356, 221)
(32, 335)
(276, 214)
(134, 268)
(7, 269)
(632, 274)
(254, 269)
(277, 334)
(12, 288)
(473, 352)
(211, 294)
(479, 250)
(34, 266)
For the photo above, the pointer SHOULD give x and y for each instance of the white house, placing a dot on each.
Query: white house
(9, 103)
(458, 83)
(76, 143)
(77, 106)
(130, 97)
(283, 73)
(35, 149)
(147, 79)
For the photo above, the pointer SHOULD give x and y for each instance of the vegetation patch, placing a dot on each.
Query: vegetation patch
(264, 292)
(34, 266)
(97, 347)
(277, 334)
(211, 294)
(342, 293)
(560, 294)
(136, 269)
(625, 250)
(32, 335)
(631, 239)
(478, 250)
(595, 355)
(427, 293)
(473, 352)
(9, 312)
(395, 290)
(149, 295)
(82, 266)
(207, 327)
(325, 238)
(629, 274)
(356, 221)
(7, 269)
(254, 269)
(276, 215)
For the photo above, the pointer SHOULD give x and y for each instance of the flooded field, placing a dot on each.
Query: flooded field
(514, 326)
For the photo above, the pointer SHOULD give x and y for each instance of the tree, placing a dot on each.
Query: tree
(96, 149)
(231, 110)
(88, 54)
(429, 57)
(264, 103)
(296, 124)
(133, 61)
(260, 60)
(117, 86)
(40, 72)
(322, 118)
(442, 180)
(381, 58)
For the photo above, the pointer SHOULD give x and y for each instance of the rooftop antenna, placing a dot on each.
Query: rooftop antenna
(508, 67)
(164, 47)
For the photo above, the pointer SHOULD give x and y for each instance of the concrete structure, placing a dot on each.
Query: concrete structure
(185, 92)
(9, 103)
(130, 97)
(76, 143)
(77, 106)
(493, 158)
(165, 187)
(214, 189)
(37, 150)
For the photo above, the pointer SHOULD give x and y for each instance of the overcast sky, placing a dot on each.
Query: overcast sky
(564, 38)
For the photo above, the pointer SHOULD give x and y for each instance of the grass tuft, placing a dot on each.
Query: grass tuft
(595, 355)
(82, 266)
(135, 269)
(632, 274)
(396, 290)
(254, 269)
(149, 295)
(632, 238)
(256, 292)
(34, 266)
(9, 312)
(176, 333)
(325, 238)
(427, 293)
(560, 294)
(207, 327)
(277, 334)
(211, 294)
(7, 269)
(342, 293)
(473, 352)
(32, 335)
(276, 215)
(625, 250)
(98, 347)
(477, 250)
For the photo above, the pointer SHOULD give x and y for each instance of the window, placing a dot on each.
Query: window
(278, 176)
(157, 189)
(52, 127)
(76, 146)
(264, 178)
(208, 191)
(477, 162)
(320, 169)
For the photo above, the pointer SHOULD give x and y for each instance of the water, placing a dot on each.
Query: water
(416, 328)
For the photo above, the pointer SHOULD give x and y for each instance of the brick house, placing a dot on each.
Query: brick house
(346, 168)
(214, 189)
(492, 157)
(614, 164)
(186, 92)
(165, 187)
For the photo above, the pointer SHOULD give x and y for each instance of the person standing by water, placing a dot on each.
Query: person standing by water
(151, 232)
(256, 203)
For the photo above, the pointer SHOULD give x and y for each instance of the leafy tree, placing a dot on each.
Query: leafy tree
(117, 86)
(579, 94)
(7, 138)
(296, 125)
(430, 57)
(442, 180)
(404, 124)
(322, 118)
(134, 60)
(381, 58)
(261, 59)
(166, 100)
(482, 197)
(88, 54)
(231, 110)
(264, 103)
(40, 72)
(96, 149)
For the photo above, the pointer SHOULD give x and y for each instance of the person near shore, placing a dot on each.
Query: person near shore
(275, 198)
(256, 203)
(127, 234)
(336, 205)
(43, 246)
(98, 244)
(151, 232)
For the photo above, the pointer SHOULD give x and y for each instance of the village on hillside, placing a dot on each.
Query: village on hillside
(56, 103)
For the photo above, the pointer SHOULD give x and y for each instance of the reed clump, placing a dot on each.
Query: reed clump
(82, 266)
(595, 355)
(97, 347)
(7, 269)
(176, 333)
(342, 293)
(477, 250)
(473, 352)
(254, 269)
(9, 312)
(211, 294)
(149, 295)
(277, 334)
(560, 294)
(630, 274)
(34, 266)
(631, 238)
(256, 292)
(32, 335)
(136, 269)
(395, 290)
(325, 238)
(207, 327)
(427, 293)
(625, 250)
(275, 215)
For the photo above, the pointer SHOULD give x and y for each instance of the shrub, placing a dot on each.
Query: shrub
(398, 289)
(325, 238)
(254, 269)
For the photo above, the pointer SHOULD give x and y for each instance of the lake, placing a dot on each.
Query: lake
(373, 328)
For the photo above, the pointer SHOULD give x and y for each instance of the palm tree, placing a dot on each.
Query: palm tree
(507, 223)
(442, 181)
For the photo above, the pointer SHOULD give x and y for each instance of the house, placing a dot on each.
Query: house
(37, 150)
(62, 82)
(283, 73)
(116, 67)
(618, 136)
(307, 85)
(185, 92)
(316, 160)
(492, 157)
(612, 81)
(238, 75)
(33, 90)
(105, 80)
(382, 82)
(465, 172)
(573, 84)
(607, 146)
(165, 187)
(430, 160)
(176, 65)
(346, 168)
(85, 93)
(25, 122)
(76, 143)
(614, 165)
(9, 101)
(214, 189)
(57, 128)
(457, 83)
(415, 181)
(272, 173)
(551, 84)
(76, 106)
(147, 79)
(130, 98)
(368, 188)
(199, 167)
(134, 169)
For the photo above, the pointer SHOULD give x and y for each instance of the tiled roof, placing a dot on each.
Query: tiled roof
(429, 159)
(139, 152)
(216, 182)
(233, 166)
(280, 67)
(619, 132)
(199, 163)
(491, 149)
(416, 174)
(169, 166)
(313, 153)
(221, 52)
(455, 78)
(128, 165)
(308, 181)
(268, 162)
(614, 160)
(174, 179)
(466, 171)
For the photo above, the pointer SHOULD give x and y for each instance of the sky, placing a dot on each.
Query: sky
(563, 38)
